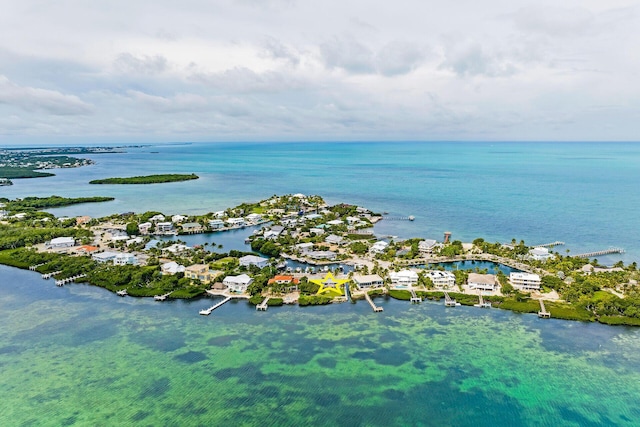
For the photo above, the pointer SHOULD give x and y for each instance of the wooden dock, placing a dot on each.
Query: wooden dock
(549, 245)
(263, 305)
(448, 301)
(34, 267)
(63, 282)
(162, 297)
(415, 299)
(599, 253)
(46, 276)
(376, 309)
(482, 303)
(208, 311)
(543, 313)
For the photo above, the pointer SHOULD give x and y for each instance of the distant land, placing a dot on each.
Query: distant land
(148, 179)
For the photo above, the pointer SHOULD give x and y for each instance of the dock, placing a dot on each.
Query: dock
(46, 276)
(399, 218)
(162, 297)
(549, 245)
(415, 299)
(482, 303)
(34, 267)
(599, 253)
(376, 309)
(208, 311)
(122, 293)
(448, 301)
(63, 282)
(263, 305)
(543, 313)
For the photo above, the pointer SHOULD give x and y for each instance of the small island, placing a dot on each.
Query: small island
(147, 179)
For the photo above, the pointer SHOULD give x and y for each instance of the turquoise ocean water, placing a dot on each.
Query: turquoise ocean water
(79, 355)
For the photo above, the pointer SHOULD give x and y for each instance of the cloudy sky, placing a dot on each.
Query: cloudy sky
(227, 70)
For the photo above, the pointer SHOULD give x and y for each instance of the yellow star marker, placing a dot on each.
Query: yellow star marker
(330, 285)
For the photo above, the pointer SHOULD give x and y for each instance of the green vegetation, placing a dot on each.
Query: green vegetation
(148, 179)
(520, 306)
(305, 300)
(568, 312)
(17, 173)
(12, 237)
(37, 203)
(400, 294)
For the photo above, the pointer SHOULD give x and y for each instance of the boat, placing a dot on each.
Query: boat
(122, 293)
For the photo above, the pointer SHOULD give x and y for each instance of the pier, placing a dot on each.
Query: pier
(50, 275)
(376, 309)
(543, 313)
(63, 282)
(448, 301)
(599, 253)
(415, 299)
(263, 305)
(549, 245)
(34, 267)
(482, 303)
(399, 218)
(162, 297)
(208, 311)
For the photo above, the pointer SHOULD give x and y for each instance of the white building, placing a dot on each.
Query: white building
(334, 240)
(482, 282)
(317, 231)
(171, 268)
(176, 219)
(329, 255)
(248, 260)
(164, 227)
(441, 279)
(427, 246)
(124, 259)
(177, 248)
(539, 254)
(367, 280)
(62, 242)
(525, 281)
(273, 232)
(144, 227)
(157, 218)
(236, 222)
(254, 217)
(379, 247)
(237, 283)
(403, 278)
(106, 256)
(335, 222)
(216, 224)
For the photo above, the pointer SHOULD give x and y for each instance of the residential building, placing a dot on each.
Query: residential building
(335, 222)
(236, 222)
(334, 240)
(273, 232)
(427, 246)
(482, 282)
(191, 227)
(525, 281)
(539, 254)
(441, 279)
(177, 219)
(200, 272)
(328, 255)
(317, 231)
(144, 227)
(367, 280)
(216, 224)
(237, 283)
(171, 268)
(164, 227)
(254, 217)
(106, 256)
(404, 278)
(379, 247)
(249, 260)
(124, 259)
(157, 218)
(62, 242)
(177, 248)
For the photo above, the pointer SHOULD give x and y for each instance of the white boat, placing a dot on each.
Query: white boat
(122, 293)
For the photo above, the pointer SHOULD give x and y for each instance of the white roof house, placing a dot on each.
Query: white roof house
(162, 227)
(62, 242)
(483, 282)
(335, 222)
(144, 227)
(403, 278)
(540, 254)
(157, 218)
(441, 279)
(525, 281)
(216, 224)
(427, 245)
(105, 256)
(237, 283)
(125, 258)
(178, 218)
(172, 268)
(353, 219)
(367, 280)
(379, 247)
(235, 222)
(248, 260)
(316, 231)
(177, 248)
(334, 240)
(254, 217)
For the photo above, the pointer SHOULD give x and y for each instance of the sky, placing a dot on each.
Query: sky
(296, 70)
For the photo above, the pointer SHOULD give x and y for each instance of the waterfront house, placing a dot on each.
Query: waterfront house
(379, 247)
(273, 232)
(363, 281)
(236, 222)
(304, 246)
(177, 248)
(237, 283)
(191, 227)
(483, 282)
(403, 278)
(254, 217)
(200, 272)
(539, 254)
(103, 257)
(327, 255)
(441, 279)
(216, 224)
(62, 242)
(125, 259)
(525, 281)
(283, 279)
(171, 268)
(157, 218)
(427, 246)
(249, 260)
(177, 219)
(164, 227)
(352, 220)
